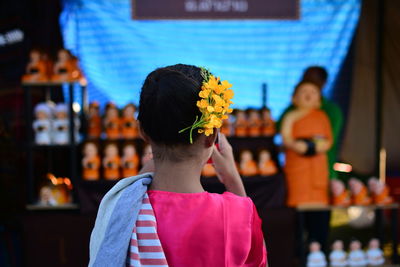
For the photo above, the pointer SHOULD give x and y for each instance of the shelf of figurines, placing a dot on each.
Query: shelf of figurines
(113, 148)
(355, 256)
(51, 126)
(54, 193)
(106, 161)
(374, 195)
(42, 71)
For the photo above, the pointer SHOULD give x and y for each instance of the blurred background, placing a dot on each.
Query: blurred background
(74, 61)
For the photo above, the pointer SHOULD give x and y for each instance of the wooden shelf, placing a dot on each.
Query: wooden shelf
(57, 207)
(331, 207)
(48, 83)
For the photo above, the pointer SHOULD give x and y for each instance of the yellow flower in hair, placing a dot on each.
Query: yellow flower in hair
(226, 85)
(215, 99)
(209, 132)
(202, 103)
(219, 109)
(228, 94)
(218, 100)
(204, 93)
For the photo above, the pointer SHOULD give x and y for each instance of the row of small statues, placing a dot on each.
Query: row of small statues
(377, 192)
(115, 167)
(340, 258)
(41, 68)
(250, 123)
(247, 166)
(51, 124)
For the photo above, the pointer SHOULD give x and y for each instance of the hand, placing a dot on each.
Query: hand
(225, 166)
(300, 147)
(321, 146)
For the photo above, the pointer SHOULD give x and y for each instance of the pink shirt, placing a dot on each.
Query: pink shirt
(206, 229)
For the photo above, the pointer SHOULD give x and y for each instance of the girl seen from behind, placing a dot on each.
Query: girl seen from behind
(165, 217)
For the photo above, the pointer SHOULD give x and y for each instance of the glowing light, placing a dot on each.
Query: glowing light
(342, 167)
(76, 107)
(52, 178)
(68, 183)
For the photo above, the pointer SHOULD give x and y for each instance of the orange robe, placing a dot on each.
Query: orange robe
(94, 128)
(64, 72)
(208, 170)
(342, 199)
(254, 128)
(268, 168)
(307, 176)
(129, 129)
(111, 169)
(36, 73)
(91, 172)
(268, 128)
(241, 129)
(113, 129)
(130, 166)
(361, 198)
(250, 168)
(383, 198)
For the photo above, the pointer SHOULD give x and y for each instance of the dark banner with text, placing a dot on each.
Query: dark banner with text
(215, 9)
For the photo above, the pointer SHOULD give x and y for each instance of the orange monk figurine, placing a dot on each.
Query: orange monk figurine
(90, 162)
(379, 191)
(129, 126)
(247, 165)
(63, 68)
(36, 70)
(130, 161)
(307, 136)
(208, 170)
(359, 192)
(48, 63)
(266, 165)
(94, 124)
(268, 124)
(226, 127)
(76, 73)
(254, 123)
(111, 162)
(340, 195)
(112, 122)
(240, 124)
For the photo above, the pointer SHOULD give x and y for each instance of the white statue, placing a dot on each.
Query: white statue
(316, 258)
(374, 253)
(338, 257)
(42, 124)
(357, 255)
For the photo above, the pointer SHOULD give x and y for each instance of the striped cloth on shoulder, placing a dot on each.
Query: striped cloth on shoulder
(145, 247)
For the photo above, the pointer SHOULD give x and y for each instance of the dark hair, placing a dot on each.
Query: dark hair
(316, 74)
(302, 82)
(168, 103)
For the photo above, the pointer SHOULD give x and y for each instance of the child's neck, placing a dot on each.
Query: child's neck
(180, 177)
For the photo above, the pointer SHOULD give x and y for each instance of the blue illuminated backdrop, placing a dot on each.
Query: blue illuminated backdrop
(116, 52)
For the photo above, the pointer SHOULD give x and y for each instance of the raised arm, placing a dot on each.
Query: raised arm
(225, 167)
